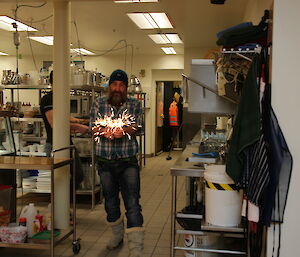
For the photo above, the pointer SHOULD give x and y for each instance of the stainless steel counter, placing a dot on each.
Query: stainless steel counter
(184, 168)
(191, 169)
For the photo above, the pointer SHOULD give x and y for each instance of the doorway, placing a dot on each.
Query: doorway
(165, 91)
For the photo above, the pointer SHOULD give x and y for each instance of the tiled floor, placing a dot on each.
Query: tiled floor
(156, 204)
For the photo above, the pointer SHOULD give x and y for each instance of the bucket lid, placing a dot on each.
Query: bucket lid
(217, 174)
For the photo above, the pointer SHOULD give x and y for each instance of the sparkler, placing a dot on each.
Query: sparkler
(113, 124)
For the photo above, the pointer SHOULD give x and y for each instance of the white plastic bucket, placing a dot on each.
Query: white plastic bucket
(222, 207)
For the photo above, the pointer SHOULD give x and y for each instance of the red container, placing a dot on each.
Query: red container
(5, 196)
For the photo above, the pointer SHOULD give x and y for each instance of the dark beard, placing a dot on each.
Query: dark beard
(116, 99)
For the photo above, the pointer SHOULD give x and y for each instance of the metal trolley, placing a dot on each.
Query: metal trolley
(46, 163)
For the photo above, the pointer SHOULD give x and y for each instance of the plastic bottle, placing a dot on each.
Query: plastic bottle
(38, 223)
(36, 226)
(22, 221)
(29, 212)
(47, 219)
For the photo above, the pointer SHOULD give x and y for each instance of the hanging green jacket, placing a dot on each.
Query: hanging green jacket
(246, 130)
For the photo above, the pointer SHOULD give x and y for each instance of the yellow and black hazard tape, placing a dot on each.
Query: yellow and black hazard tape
(225, 187)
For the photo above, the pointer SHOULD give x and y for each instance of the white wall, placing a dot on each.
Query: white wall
(255, 10)
(193, 53)
(106, 64)
(285, 98)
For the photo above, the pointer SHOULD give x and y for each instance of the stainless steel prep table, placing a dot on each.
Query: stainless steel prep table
(188, 169)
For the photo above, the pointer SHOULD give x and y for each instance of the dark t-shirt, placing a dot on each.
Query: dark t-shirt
(45, 106)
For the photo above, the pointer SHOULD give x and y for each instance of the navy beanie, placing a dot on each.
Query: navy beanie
(119, 75)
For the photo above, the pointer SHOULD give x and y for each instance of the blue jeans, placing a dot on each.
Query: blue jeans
(121, 177)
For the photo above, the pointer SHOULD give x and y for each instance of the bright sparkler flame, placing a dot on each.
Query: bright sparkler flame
(112, 124)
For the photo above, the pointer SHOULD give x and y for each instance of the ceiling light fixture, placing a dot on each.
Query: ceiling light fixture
(48, 40)
(151, 20)
(135, 1)
(6, 24)
(1, 53)
(169, 50)
(81, 51)
(170, 38)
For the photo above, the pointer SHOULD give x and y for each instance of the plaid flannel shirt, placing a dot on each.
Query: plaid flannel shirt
(120, 147)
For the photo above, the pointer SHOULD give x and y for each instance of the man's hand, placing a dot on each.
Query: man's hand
(97, 129)
(79, 128)
(83, 121)
(119, 133)
(103, 132)
(107, 133)
(80, 121)
(131, 130)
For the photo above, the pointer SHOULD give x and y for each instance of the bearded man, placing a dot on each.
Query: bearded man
(117, 164)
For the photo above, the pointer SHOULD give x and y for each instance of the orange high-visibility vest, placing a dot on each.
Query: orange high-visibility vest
(173, 114)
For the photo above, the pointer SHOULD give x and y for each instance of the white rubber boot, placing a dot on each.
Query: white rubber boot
(117, 229)
(135, 241)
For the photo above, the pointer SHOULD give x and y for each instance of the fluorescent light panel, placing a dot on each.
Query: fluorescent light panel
(135, 1)
(166, 38)
(174, 38)
(1, 53)
(81, 51)
(48, 40)
(6, 24)
(162, 20)
(169, 50)
(151, 20)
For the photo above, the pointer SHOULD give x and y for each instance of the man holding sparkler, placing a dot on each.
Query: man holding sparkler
(115, 121)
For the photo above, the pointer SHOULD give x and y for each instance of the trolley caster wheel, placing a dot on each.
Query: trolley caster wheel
(76, 247)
